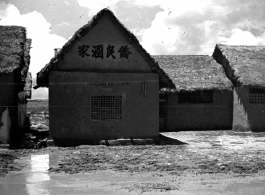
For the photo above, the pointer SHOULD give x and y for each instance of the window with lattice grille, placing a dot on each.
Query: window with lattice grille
(257, 96)
(196, 97)
(106, 107)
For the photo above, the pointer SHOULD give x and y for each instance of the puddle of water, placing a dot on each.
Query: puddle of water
(35, 180)
(30, 181)
(39, 163)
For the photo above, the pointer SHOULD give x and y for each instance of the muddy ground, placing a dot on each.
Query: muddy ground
(7, 162)
(209, 160)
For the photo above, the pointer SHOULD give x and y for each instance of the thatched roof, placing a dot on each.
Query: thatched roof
(42, 76)
(247, 63)
(15, 56)
(194, 72)
(12, 41)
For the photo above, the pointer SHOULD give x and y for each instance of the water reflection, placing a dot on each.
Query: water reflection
(39, 163)
(36, 179)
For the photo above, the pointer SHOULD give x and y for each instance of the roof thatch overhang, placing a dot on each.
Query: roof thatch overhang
(12, 41)
(247, 63)
(15, 58)
(194, 72)
(24, 71)
(43, 75)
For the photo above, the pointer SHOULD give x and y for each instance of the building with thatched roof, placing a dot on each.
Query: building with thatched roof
(15, 80)
(245, 67)
(103, 85)
(202, 99)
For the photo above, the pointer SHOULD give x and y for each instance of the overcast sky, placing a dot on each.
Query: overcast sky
(173, 27)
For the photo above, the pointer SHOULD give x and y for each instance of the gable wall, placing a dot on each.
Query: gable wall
(104, 33)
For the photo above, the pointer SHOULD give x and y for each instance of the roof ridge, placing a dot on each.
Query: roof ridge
(226, 45)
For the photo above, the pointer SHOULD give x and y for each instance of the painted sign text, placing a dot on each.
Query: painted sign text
(97, 51)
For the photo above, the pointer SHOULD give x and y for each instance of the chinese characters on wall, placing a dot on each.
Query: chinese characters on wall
(97, 51)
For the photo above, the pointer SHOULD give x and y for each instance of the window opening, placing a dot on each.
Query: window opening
(257, 95)
(106, 107)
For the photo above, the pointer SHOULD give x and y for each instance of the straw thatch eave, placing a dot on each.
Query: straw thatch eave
(24, 71)
(194, 72)
(42, 76)
(12, 41)
(15, 59)
(247, 63)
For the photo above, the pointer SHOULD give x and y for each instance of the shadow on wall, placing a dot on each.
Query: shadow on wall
(247, 116)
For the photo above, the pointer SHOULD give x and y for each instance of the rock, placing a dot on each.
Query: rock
(143, 141)
(120, 142)
(37, 118)
(103, 142)
(4, 146)
(39, 126)
(50, 142)
(42, 144)
(33, 127)
(42, 126)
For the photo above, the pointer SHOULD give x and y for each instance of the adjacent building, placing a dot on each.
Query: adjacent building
(15, 81)
(203, 97)
(103, 85)
(245, 67)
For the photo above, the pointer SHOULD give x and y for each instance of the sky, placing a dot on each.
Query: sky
(163, 27)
